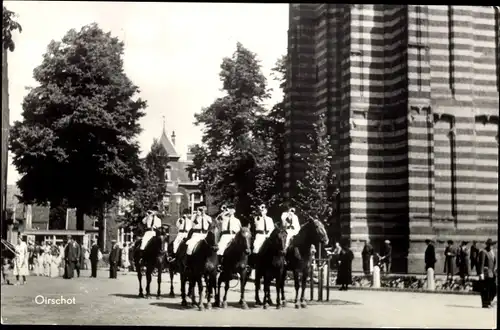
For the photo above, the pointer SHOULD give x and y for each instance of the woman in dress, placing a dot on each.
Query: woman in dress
(344, 277)
(46, 258)
(125, 257)
(55, 261)
(21, 261)
(38, 267)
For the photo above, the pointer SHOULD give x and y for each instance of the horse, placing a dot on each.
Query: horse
(270, 264)
(235, 261)
(201, 264)
(298, 256)
(152, 257)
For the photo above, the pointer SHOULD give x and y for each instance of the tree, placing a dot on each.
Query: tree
(151, 188)
(77, 141)
(232, 160)
(9, 25)
(318, 189)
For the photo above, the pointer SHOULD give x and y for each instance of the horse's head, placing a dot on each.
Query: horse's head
(277, 240)
(212, 233)
(243, 239)
(316, 231)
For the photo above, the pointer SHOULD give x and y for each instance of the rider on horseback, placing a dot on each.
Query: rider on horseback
(223, 213)
(201, 224)
(264, 226)
(230, 226)
(184, 225)
(291, 224)
(152, 223)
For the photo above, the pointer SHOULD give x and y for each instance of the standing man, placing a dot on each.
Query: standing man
(152, 223)
(291, 224)
(184, 225)
(387, 256)
(463, 259)
(367, 257)
(487, 264)
(474, 254)
(449, 262)
(201, 223)
(71, 257)
(230, 226)
(80, 261)
(114, 260)
(429, 255)
(264, 226)
(94, 258)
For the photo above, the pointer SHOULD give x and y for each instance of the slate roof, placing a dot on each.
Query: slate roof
(169, 146)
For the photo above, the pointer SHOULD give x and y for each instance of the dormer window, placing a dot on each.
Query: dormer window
(168, 174)
(195, 176)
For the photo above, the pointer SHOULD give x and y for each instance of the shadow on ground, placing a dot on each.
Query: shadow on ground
(463, 306)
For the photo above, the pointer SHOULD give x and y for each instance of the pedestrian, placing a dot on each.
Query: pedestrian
(80, 258)
(6, 272)
(55, 261)
(86, 259)
(367, 257)
(71, 258)
(31, 255)
(386, 256)
(131, 256)
(449, 262)
(125, 257)
(487, 264)
(46, 258)
(346, 257)
(94, 258)
(21, 260)
(114, 260)
(37, 261)
(474, 254)
(463, 259)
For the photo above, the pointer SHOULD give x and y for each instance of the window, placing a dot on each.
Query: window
(95, 223)
(445, 166)
(168, 174)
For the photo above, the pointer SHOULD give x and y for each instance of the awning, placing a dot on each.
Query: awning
(54, 232)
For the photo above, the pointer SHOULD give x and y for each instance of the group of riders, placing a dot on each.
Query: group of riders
(192, 229)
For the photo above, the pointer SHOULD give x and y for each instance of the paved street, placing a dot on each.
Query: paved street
(113, 302)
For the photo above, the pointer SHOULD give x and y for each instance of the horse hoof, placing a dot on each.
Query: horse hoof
(158, 297)
(184, 303)
(201, 308)
(209, 306)
(303, 305)
(278, 306)
(297, 306)
(224, 304)
(244, 305)
(266, 306)
(271, 303)
(171, 295)
(284, 303)
(141, 295)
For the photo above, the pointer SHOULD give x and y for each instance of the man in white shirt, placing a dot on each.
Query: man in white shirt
(184, 225)
(152, 222)
(264, 226)
(230, 226)
(223, 213)
(201, 223)
(291, 224)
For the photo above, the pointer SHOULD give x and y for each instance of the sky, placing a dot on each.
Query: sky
(173, 52)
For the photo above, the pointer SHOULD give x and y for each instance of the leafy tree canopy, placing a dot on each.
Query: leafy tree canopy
(76, 141)
(9, 25)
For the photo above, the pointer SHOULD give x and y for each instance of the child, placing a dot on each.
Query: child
(6, 271)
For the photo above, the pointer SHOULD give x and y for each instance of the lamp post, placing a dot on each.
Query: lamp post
(178, 199)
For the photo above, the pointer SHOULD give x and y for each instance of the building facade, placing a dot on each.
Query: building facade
(411, 97)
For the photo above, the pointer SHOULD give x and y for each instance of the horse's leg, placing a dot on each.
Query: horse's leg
(243, 282)
(149, 278)
(183, 289)
(226, 279)
(160, 270)
(297, 287)
(211, 283)
(257, 286)
(139, 277)
(218, 302)
(200, 292)
(282, 286)
(171, 271)
(304, 283)
(192, 285)
(277, 274)
(267, 284)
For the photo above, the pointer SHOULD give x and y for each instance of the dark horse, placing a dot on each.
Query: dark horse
(298, 256)
(201, 264)
(235, 261)
(270, 264)
(152, 257)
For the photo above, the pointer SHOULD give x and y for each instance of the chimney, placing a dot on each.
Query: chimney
(172, 137)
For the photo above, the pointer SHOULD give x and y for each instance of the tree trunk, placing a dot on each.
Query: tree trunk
(80, 219)
(102, 228)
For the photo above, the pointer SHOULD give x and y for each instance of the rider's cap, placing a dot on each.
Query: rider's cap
(262, 206)
(292, 209)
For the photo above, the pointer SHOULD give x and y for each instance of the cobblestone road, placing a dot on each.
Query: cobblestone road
(103, 301)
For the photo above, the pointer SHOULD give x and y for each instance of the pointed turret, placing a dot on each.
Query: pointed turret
(168, 145)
